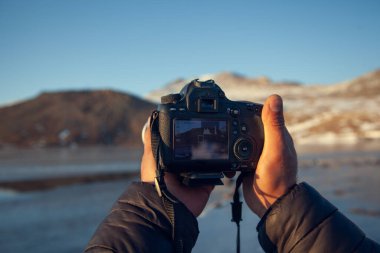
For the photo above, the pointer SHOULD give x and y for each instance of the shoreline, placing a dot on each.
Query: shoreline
(55, 182)
(122, 163)
(310, 147)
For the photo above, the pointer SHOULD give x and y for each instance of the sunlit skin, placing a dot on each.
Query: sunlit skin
(275, 174)
(276, 171)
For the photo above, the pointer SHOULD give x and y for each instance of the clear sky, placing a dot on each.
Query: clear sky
(138, 46)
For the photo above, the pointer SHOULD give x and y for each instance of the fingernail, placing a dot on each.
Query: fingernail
(275, 104)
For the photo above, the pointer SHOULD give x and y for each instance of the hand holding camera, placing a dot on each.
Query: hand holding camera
(194, 198)
(276, 171)
(203, 135)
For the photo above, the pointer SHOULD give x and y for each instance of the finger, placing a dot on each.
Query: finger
(274, 124)
(143, 132)
(229, 174)
(148, 165)
(273, 121)
(207, 189)
(290, 143)
(272, 115)
(146, 136)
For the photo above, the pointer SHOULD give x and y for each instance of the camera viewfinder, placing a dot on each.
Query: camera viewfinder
(207, 105)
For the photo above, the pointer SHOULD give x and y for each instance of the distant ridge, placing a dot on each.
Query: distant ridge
(75, 118)
(337, 114)
(346, 113)
(259, 88)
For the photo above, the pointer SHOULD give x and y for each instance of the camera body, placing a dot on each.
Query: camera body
(203, 132)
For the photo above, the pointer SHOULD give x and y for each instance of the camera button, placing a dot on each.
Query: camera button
(244, 166)
(235, 112)
(173, 109)
(235, 132)
(243, 128)
(235, 123)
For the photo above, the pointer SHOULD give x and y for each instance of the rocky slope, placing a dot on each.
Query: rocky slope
(75, 117)
(343, 113)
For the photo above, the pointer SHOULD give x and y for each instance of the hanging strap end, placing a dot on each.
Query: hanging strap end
(236, 211)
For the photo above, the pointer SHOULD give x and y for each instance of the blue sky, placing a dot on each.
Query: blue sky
(138, 46)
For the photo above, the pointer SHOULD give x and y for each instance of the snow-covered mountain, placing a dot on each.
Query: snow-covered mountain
(343, 113)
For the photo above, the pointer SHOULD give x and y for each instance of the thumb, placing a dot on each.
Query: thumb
(273, 120)
(146, 136)
(148, 165)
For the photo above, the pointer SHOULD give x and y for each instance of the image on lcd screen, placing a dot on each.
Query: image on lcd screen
(200, 139)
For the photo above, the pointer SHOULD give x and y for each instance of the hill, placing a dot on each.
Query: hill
(342, 113)
(75, 117)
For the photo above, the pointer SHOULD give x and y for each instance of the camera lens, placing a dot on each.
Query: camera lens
(243, 149)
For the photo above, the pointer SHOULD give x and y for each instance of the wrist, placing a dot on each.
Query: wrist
(266, 200)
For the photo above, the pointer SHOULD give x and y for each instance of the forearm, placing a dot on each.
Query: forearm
(139, 222)
(303, 221)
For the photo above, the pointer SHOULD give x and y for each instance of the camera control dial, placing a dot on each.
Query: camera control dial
(243, 149)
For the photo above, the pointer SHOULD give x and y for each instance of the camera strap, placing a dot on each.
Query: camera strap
(167, 198)
(156, 142)
(236, 207)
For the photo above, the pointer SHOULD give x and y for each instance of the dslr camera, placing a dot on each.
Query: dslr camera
(204, 134)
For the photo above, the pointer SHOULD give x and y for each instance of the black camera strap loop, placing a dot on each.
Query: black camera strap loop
(236, 207)
(155, 136)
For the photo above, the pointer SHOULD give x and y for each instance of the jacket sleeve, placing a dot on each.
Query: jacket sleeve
(304, 221)
(139, 222)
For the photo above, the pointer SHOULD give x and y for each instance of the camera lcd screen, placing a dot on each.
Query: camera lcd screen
(200, 139)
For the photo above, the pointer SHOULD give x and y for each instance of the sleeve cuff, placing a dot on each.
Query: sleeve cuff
(291, 217)
(184, 223)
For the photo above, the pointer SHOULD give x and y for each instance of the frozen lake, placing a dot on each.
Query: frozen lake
(55, 162)
(63, 219)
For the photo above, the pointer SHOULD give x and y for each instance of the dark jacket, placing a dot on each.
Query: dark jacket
(139, 222)
(304, 221)
(300, 221)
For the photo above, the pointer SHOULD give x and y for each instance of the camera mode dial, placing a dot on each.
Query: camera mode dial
(171, 98)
